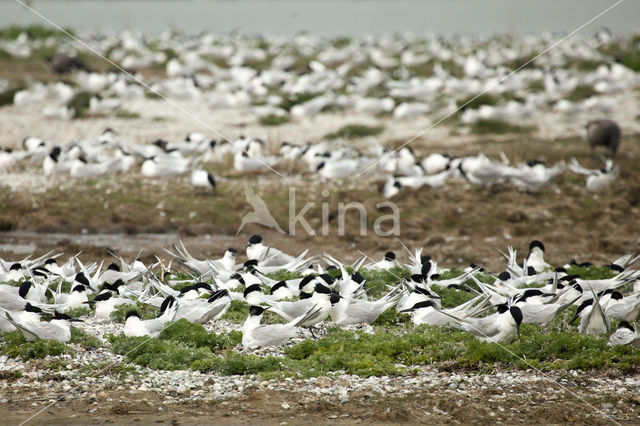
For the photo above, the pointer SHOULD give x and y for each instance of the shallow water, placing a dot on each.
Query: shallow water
(331, 17)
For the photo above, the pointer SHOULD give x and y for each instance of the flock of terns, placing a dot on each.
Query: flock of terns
(109, 154)
(405, 76)
(531, 291)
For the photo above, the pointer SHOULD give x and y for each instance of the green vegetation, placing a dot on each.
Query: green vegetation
(146, 312)
(81, 311)
(6, 97)
(581, 92)
(84, 339)
(15, 345)
(179, 346)
(397, 347)
(35, 32)
(237, 312)
(591, 272)
(491, 126)
(290, 100)
(123, 113)
(353, 131)
(475, 102)
(536, 86)
(377, 281)
(274, 120)
(80, 103)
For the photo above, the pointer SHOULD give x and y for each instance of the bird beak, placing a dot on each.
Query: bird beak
(405, 311)
(89, 302)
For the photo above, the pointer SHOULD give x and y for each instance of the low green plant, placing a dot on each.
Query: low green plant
(146, 312)
(591, 272)
(289, 100)
(15, 345)
(35, 32)
(178, 347)
(273, 120)
(475, 102)
(581, 92)
(6, 97)
(354, 131)
(125, 114)
(80, 311)
(80, 103)
(84, 339)
(494, 126)
(237, 313)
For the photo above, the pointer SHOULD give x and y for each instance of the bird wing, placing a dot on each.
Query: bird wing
(575, 167)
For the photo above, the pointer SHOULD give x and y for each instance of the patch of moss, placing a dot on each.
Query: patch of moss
(581, 92)
(35, 32)
(493, 126)
(475, 102)
(15, 345)
(273, 120)
(80, 103)
(179, 346)
(290, 100)
(6, 97)
(591, 272)
(146, 312)
(123, 113)
(85, 339)
(354, 131)
(81, 311)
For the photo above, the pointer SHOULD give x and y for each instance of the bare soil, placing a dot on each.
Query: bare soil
(531, 404)
(457, 224)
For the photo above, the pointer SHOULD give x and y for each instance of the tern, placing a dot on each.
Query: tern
(256, 335)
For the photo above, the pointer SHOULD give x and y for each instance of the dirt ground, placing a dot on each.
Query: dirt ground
(457, 224)
(533, 404)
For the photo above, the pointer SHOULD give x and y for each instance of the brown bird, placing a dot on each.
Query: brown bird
(603, 133)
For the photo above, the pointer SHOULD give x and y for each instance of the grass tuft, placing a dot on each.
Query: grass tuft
(274, 120)
(492, 126)
(15, 345)
(353, 131)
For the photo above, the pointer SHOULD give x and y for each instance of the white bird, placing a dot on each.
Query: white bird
(597, 180)
(105, 303)
(135, 327)
(200, 311)
(335, 169)
(535, 258)
(624, 335)
(256, 335)
(346, 310)
(255, 250)
(389, 261)
(592, 318)
(393, 185)
(532, 176)
(202, 179)
(291, 310)
(500, 327)
(58, 328)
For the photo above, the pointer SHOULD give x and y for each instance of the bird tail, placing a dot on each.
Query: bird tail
(313, 311)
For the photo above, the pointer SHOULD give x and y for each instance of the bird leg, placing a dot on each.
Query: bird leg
(311, 330)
